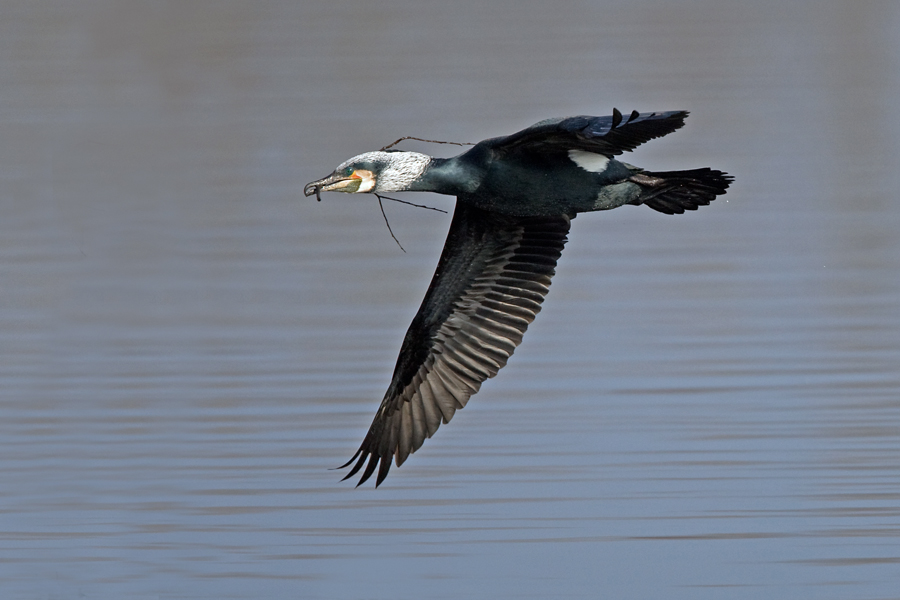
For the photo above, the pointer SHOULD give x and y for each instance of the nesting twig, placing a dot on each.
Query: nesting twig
(391, 231)
(409, 137)
(383, 214)
(411, 204)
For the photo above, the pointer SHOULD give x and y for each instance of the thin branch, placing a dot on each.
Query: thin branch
(381, 206)
(409, 137)
(410, 203)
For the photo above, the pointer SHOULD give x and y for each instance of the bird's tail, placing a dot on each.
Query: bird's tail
(673, 192)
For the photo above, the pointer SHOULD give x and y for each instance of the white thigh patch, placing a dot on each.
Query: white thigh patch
(589, 161)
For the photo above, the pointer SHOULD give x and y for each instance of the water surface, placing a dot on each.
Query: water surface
(707, 407)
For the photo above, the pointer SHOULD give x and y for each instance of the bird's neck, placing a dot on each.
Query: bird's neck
(447, 176)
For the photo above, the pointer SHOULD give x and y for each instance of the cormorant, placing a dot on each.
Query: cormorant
(516, 196)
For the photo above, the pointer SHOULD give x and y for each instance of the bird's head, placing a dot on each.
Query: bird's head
(373, 172)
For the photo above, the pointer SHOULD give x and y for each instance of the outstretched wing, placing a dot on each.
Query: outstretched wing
(490, 282)
(609, 136)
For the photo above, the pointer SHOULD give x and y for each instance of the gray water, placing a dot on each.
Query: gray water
(707, 407)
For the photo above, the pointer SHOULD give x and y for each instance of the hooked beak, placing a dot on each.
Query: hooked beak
(333, 183)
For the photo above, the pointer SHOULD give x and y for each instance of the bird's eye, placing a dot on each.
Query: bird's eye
(349, 171)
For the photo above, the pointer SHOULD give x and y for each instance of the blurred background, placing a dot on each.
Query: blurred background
(707, 407)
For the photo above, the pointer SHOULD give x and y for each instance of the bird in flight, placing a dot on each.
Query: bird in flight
(515, 199)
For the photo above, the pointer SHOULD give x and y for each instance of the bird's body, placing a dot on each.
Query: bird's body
(516, 196)
(535, 182)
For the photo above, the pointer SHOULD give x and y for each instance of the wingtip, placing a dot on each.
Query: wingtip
(347, 464)
(681, 114)
(359, 463)
(383, 469)
(370, 468)
(370, 461)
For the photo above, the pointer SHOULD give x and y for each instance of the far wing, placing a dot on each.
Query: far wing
(609, 136)
(490, 282)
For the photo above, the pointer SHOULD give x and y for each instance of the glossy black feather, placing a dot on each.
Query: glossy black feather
(673, 192)
(609, 136)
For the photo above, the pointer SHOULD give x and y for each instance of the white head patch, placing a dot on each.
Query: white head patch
(589, 161)
(394, 171)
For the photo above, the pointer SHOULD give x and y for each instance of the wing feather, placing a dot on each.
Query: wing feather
(492, 277)
(419, 418)
(609, 136)
(433, 415)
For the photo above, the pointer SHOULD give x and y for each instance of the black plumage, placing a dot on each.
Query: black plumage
(516, 197)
